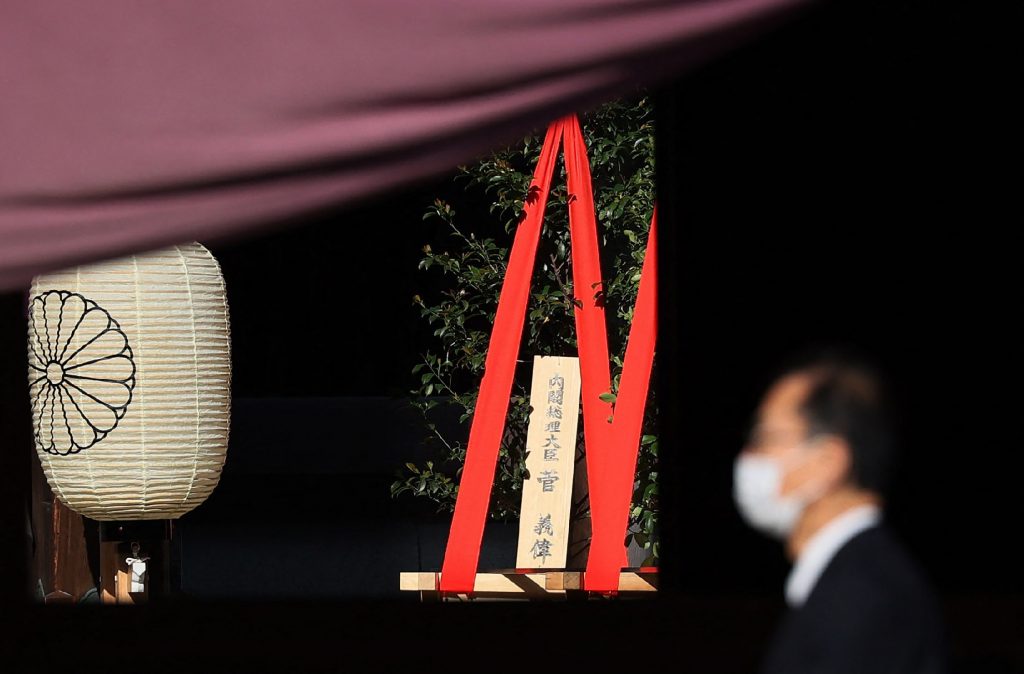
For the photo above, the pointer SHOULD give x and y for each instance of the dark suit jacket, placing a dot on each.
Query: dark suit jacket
(870, 612)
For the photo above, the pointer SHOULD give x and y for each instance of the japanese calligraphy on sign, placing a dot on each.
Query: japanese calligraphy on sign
(551, 453)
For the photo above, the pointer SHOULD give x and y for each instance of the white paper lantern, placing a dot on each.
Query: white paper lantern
(130, 372)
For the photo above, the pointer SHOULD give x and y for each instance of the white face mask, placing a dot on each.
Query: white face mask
(757, 481)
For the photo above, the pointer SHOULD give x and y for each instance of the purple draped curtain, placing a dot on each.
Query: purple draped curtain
(128, 125)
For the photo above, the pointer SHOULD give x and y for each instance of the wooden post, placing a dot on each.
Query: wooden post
(61, 560)
(116, 539)
(115, 579)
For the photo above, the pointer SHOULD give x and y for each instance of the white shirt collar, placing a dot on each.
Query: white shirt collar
(822, 547)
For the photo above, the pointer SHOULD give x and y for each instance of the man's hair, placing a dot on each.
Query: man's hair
(847, 398)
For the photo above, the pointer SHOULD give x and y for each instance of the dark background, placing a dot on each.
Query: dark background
(851, 177)
(845, 180)
(855, 179)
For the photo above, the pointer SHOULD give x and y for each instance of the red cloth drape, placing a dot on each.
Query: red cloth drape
(131, 125)
(611, 447)
(591, 328)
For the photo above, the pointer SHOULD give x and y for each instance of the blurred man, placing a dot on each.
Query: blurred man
(812, 474)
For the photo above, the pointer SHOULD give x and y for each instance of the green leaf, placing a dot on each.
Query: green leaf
(607, 397)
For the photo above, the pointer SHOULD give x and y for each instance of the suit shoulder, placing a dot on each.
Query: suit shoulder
(874, 581)
(872, 609)
(878, 559)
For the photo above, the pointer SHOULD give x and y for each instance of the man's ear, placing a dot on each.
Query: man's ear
(835, 460)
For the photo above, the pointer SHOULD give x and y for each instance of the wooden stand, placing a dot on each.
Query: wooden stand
(529, 584)
(554, 530)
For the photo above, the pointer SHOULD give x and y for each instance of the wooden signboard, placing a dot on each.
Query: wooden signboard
(545, 546)
(550, 460)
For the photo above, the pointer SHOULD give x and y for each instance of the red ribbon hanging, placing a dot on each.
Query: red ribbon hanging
(458, 573)
(615, 488)
(611, 447)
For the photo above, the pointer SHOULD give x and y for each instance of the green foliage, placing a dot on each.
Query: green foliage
(620, 142)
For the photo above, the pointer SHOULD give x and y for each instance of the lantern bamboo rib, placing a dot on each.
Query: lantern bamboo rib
(144, 481)
(195, 370)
